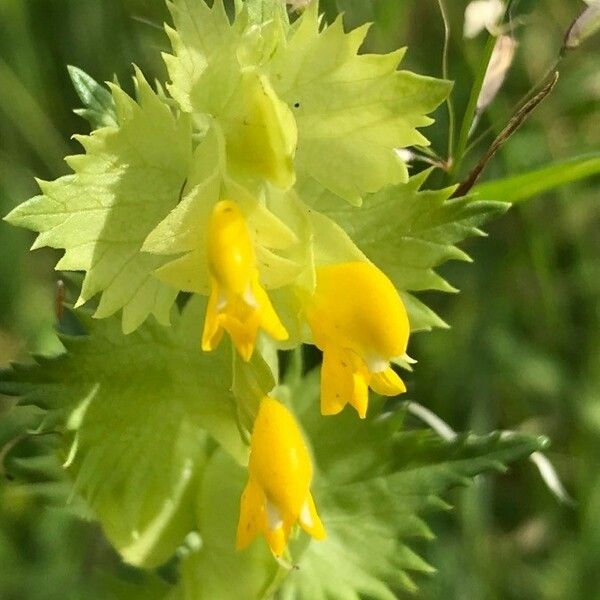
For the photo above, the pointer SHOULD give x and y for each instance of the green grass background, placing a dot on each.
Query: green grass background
(524, 348)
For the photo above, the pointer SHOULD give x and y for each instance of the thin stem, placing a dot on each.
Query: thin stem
(428, 151)
(295, 366)
(438, 164)
(471, 109)
(445, 75)
(513, 125)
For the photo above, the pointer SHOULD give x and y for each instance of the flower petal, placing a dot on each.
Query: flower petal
(252, 515)
(387, 383)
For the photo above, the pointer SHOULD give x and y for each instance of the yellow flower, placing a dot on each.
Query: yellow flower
(277, 494)
(237, 303)
(358, 320)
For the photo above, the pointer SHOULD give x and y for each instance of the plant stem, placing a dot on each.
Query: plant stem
(513, 125)
(471, 109)
(445, 75)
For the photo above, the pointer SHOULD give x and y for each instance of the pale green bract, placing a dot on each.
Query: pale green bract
(370, 473)
(350, 111)
(129, 179)
(140, 410)
(408, 232)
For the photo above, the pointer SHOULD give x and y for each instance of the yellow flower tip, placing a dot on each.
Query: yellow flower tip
(237, 304)
(277, 495)
(310, 520)
(387, 383)
(359, 321)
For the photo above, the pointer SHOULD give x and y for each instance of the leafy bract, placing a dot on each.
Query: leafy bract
(270, 84)
(374, 484)
(204, 43)
(408, 232)
(352, 110)
(214, 76)
(129, 179)
(138, 411)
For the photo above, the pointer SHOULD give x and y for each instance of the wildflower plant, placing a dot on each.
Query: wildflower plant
(253, 205)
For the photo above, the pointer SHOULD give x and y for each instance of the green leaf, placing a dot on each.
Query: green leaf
(204, 69)
(99, 106)
(522, 187)
(17, 421)
(129, 180)
(138, 410)
(375, 483)
(217, 570)
(408, 232)
(352, 110)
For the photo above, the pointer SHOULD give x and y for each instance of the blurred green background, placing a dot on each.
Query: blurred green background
(523, 351)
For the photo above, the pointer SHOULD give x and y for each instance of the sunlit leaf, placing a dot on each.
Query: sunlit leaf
(126, 183)
(138, 412)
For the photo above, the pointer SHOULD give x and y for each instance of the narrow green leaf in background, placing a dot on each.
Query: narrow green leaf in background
(523, 187)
